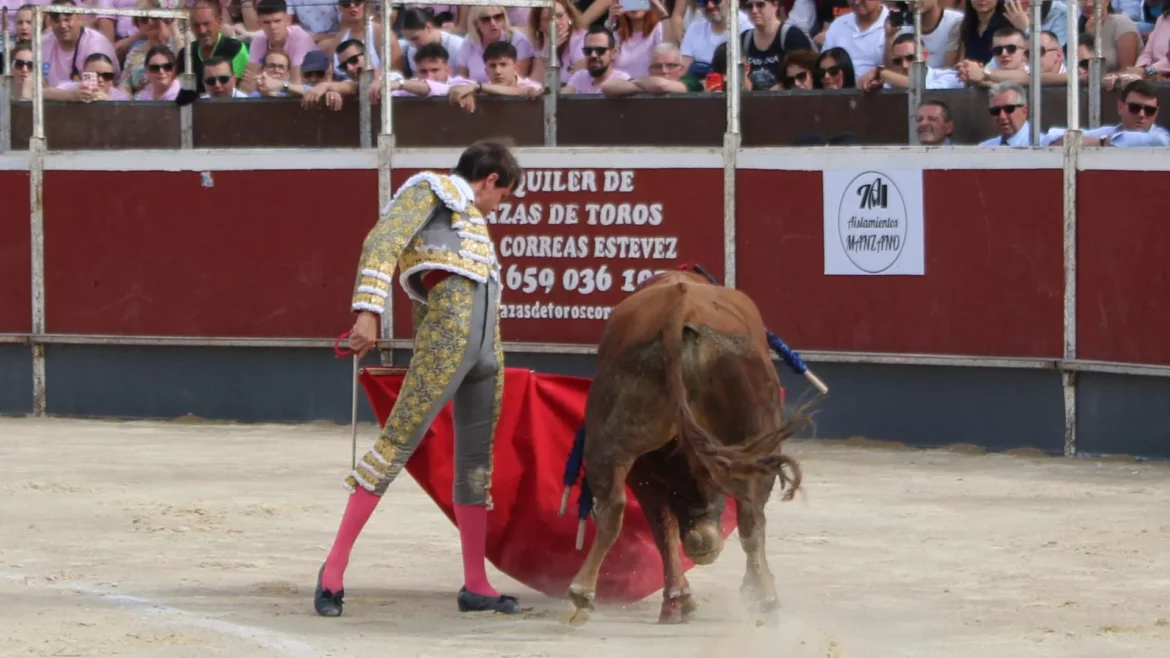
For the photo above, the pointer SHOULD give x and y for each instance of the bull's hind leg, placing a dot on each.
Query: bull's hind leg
(758, 582)
(677, 603)
(608, 482)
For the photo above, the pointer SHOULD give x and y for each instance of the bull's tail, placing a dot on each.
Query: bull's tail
(726, 464)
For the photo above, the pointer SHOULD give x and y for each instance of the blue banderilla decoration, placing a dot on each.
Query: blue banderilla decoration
(576, 460)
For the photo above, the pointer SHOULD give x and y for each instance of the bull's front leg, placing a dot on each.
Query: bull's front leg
(609, 486)
(758, 582)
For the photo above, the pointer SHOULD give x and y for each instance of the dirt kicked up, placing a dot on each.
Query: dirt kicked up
(177, 540)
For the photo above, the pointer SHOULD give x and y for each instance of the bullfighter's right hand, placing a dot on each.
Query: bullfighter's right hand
(364, 333)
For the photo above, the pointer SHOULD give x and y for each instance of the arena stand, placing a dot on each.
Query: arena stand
(199, 255)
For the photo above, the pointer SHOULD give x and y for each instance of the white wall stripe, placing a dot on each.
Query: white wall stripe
(820, 158)
(769, 159)
(1125, 159)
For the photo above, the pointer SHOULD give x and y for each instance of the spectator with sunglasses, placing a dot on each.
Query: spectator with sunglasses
(1138, 109)
(102, 69)
(861, 33)
(1009, 108)
(667, 76)
(1010, 50)
(897, 74)
(207, 27)
(599, 69)
(162, 83)
(68, 45)
(835, 70)
(705, 35)
(219, 79)
(21, 70)
(487, 26)
(800, 71)
(154, 32)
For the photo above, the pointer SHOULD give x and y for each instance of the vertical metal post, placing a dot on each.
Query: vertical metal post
(731, 141)
(1034, 86)
(1072, 151)
(187, 81)
(385, 165)
(6, 90)
(36, 187)
(552, 80)
(1096, 65)
(364, 82)
(917, 76)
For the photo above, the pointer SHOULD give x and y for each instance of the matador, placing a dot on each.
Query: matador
(434, 231)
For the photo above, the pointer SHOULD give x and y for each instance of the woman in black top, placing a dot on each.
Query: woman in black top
(982, 19)
(765, 45)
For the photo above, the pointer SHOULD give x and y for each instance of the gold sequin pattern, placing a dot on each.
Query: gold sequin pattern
(389, 238)
(439, 347)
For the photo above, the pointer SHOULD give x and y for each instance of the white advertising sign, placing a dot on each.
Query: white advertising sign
(874, 222)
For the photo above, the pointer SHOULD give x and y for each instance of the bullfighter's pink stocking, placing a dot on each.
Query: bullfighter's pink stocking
(472, 522)
(357, 511)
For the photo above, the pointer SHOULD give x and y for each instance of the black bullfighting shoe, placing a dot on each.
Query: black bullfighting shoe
(472, 602)
(328, 604)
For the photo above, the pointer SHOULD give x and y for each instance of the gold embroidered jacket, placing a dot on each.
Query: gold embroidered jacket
(431, 224)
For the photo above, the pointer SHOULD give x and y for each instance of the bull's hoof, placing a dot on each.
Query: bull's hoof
(677, 610)
(576, 611)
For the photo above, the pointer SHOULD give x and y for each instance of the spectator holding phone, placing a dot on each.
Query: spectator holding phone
(97, 83)
(68, 45)
(638, 32)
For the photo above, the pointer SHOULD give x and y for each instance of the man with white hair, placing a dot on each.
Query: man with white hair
(667, 76)
(1009, 108)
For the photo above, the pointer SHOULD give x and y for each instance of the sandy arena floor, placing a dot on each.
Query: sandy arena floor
(181, 540)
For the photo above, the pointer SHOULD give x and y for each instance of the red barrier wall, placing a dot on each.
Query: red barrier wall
(993, 283)
(1123, 280)
(256, 254)
(15, 254)
(574, 242)
(273, 253)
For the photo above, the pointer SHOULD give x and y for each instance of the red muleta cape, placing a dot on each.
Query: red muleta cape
(527, 540)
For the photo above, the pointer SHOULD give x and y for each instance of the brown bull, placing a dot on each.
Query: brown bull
(686, 409)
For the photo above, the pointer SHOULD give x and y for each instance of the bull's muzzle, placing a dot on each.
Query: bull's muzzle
(703, 543)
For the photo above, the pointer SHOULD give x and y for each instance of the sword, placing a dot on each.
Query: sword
(340, 353)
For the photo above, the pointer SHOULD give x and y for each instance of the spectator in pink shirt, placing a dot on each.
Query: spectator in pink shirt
(486, 26)
(103, 88)
(599, 52)
(432, 75)
(637, 32)
(277, 32)
(161, 82)
(570, 40)
(504, 78)
(68, 44)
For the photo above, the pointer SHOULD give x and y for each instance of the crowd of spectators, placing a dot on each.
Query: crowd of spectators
(316, 50)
